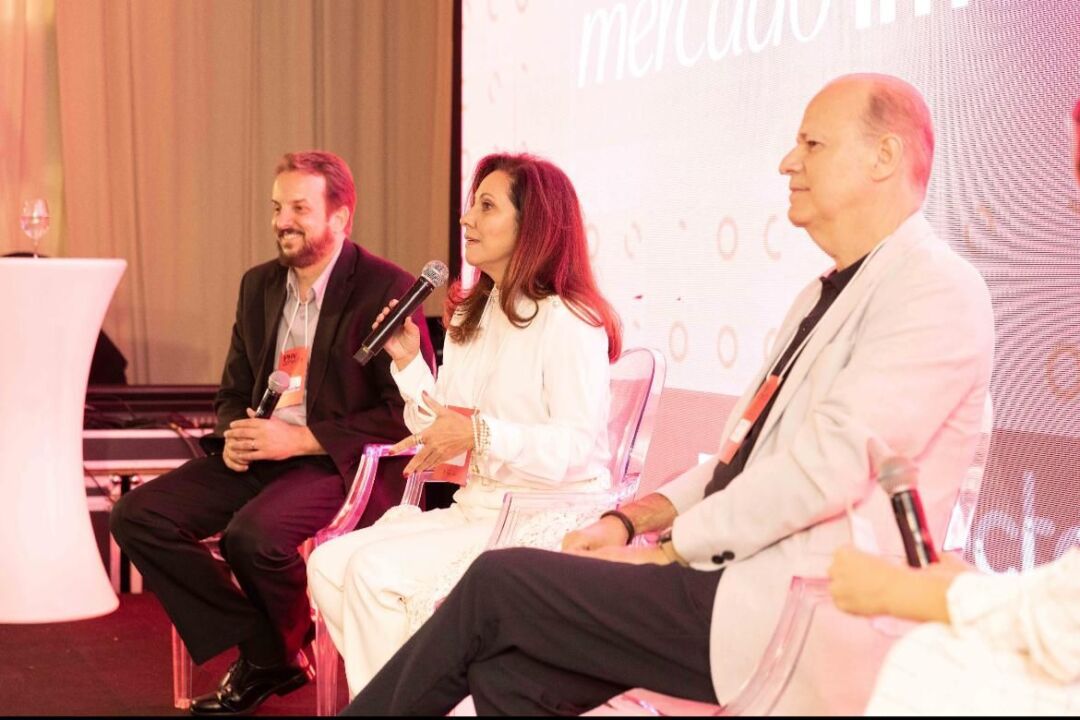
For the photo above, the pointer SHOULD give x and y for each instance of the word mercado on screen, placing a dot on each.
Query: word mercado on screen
(639, 39)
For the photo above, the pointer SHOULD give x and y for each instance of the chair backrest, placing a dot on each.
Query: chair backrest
(356, 500)
(637, 379)
(958, 533)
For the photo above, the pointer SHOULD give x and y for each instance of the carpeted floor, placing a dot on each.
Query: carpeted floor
(119, 664)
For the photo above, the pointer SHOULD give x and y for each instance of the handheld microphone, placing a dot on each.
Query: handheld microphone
(275, 386)
(898, 477)
(432, 276)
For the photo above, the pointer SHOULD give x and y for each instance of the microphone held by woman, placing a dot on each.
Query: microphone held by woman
(434, 275)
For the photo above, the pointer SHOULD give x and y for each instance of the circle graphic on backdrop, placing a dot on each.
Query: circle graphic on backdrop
(727, 346)
(1061, 387)
(678, 341)
(592, 239)
(773, 254)
(727, 242)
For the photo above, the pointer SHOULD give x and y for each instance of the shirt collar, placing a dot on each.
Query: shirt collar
(319, 287)
(839, 279)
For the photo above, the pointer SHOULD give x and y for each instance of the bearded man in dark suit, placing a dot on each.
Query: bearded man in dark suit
(276, 481)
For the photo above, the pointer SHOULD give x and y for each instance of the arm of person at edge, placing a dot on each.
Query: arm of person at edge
(576, 389)
(249, 439)
(1035, 612)
(864, 584)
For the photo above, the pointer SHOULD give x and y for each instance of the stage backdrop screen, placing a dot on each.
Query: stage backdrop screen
(671, 118)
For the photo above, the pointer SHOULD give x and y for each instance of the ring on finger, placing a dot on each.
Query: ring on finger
(417, 440)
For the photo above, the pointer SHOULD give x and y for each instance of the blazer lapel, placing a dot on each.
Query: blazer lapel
(802, 304)
(273, 304)
(887, 253)
(337, 294)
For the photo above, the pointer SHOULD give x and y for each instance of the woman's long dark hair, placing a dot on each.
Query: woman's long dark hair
(551, 256)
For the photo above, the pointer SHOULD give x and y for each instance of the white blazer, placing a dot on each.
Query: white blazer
(903, 355)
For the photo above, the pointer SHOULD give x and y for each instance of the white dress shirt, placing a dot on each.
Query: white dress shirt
(542, 389)
(296, 328)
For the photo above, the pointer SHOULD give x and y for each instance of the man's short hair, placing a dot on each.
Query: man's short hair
(340, 189)
(895, 106)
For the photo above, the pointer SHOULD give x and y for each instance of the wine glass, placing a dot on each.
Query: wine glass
(34, 220)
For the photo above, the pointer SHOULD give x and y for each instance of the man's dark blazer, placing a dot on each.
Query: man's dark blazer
(348, 405)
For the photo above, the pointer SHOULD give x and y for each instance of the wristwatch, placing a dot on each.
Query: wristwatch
(668, 548)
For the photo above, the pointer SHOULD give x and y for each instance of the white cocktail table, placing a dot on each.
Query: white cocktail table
(50, 567)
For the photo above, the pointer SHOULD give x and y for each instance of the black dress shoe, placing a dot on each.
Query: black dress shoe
(246, 686)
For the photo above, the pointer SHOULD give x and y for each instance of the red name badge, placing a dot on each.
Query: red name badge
(451, 471)
(749, 417)
(294, 362)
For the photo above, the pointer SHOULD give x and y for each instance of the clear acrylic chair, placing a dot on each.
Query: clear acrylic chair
(541, 519)
(760, 693)
(325, 655)
(763, 690)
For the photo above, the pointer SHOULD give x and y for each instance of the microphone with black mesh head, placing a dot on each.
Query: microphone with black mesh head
(898, 476)
(433, 275)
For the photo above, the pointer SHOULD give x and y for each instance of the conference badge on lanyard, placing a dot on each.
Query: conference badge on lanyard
(294, 361)
(749, 417)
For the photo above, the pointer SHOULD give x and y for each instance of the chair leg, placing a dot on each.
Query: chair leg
(181, 665)
(326, 665)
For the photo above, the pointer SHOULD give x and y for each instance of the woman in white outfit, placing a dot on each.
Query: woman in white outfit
(990, 644)
(526, 365)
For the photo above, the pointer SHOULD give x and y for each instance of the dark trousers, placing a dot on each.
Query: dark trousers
(529, 632)
(264, 514)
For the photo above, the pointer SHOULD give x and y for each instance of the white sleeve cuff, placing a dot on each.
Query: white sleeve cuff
(505, 442)
(413, 379)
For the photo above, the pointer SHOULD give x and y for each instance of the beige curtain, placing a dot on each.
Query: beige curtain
(173, 114)
(29, 135)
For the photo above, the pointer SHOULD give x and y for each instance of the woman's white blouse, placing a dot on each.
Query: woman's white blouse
(1036, 613)
(1012, 648)
(543, 391)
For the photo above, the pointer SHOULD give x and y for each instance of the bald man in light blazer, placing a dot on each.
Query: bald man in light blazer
(892, 346)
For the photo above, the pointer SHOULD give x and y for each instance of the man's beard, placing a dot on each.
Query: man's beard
(311, 252)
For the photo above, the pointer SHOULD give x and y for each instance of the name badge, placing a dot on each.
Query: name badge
(294, 361)
(749, 417)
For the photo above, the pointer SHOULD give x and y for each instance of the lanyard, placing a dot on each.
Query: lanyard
(288, 328)
(771, 383)
(782, 372)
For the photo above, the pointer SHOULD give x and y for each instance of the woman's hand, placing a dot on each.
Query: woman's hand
(449, 436)
(860, 583)
(864, 584)
(404, 344)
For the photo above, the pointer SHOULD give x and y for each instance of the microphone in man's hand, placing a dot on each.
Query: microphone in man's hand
(432, 276)
(275, 386)
(898, 476)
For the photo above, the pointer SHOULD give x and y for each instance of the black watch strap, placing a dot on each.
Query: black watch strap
(627, 523)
